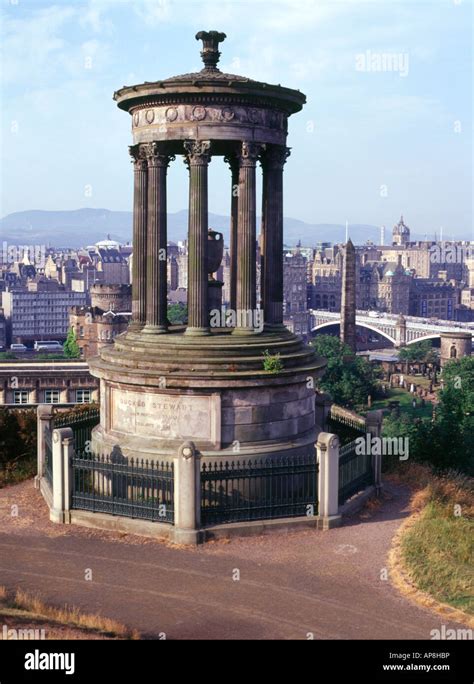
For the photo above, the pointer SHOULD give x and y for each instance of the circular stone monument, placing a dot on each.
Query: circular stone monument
(243, 389)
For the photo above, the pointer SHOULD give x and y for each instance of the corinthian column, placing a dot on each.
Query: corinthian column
(273, 161)
(156, 293)
(197, 159)
(234, 208)
(246, 238)
(139, 236)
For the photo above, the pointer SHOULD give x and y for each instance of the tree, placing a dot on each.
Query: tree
(418, 352)
(71, 348)
(348, 379)
(177, 314)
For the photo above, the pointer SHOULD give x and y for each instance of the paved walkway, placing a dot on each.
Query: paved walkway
(325, 583)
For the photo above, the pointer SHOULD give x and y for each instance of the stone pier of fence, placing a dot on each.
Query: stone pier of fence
(189, 499)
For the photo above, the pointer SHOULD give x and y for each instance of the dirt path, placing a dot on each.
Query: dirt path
(328, 584)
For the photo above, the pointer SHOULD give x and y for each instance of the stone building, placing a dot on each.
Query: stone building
(393, 282)
(432, 299)
(114, 266)
(295, 301)
(400, 233)
(39, 310)
(99, 324)
(455, 345)
(24, 383)
(173, 276)
(327, 280)
(108, 297)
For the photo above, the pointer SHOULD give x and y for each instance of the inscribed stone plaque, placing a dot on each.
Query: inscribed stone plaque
(163, 416)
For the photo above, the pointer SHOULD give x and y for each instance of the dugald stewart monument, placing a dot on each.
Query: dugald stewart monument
(163, 386)
(216, 427)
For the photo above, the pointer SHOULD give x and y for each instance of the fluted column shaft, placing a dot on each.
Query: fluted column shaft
(139, 236)
(246, 237)
(272, 224)
(156, 292)
(197, 158)
(234, 209)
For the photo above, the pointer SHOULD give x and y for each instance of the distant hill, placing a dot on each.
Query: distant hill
(82, 227)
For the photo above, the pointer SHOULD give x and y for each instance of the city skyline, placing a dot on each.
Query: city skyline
(57, 87)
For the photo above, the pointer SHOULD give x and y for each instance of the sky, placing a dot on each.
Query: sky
(387, 128)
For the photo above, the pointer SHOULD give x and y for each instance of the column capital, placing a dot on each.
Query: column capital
(138, 154)
(249, 153)
(275, 157)
(155, 155)
(197, 152)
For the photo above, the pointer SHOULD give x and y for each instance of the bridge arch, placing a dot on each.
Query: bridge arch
(321, 326)
(431, 336)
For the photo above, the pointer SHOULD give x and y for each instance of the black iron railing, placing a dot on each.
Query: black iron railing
(355, 470)
(135, 488)
(234, 491)
(346, 424)
(81, 422)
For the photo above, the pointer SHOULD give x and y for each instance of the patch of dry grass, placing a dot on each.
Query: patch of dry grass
(69, 616)
(438, 548)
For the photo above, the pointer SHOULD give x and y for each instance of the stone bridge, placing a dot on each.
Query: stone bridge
(399, 331)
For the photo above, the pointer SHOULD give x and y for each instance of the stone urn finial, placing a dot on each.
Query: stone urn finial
(210, 48)
(215, 251)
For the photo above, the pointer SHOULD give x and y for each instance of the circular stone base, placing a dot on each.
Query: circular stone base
(159, 391)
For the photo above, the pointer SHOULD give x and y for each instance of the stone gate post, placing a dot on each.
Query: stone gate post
(187, 494)
(44, 415)
(327, 448)
(62, 450)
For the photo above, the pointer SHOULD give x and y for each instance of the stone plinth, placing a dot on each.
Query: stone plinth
(158, 392)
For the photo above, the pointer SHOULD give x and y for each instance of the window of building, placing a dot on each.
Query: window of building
(20, 397)
(51, 396)
(83, 396)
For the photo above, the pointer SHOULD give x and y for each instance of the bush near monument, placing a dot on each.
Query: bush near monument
(71, 348)
(348, 379)
(17, 445)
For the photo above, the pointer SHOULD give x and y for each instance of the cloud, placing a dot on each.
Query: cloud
(153, 12)
(32, 46)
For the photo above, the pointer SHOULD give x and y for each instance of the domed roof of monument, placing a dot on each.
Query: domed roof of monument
(209, 81)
